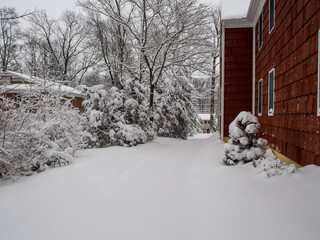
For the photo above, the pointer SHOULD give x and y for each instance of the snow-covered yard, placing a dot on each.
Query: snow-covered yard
(165, 190)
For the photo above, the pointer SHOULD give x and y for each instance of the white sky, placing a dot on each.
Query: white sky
(54, 7)
(231, 9)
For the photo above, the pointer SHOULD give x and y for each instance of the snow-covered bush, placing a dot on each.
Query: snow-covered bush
(175, 115)
(123, 116)
(118, 116)
(37, 132)
(243, 145)
(270, 165)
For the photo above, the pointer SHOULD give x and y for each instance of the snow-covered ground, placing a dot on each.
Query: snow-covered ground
(165, 190)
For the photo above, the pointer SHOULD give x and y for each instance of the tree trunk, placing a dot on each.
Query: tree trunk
(151, 99)
(213, 85)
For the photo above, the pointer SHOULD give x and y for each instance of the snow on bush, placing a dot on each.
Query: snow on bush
(245, 147)
(118, 116)
(38, 132)
(175, 115)
(270, 166)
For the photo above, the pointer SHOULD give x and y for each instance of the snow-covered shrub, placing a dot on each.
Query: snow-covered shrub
(270, 165)
(98, 115)
(175, 115)
(37, 132)
(243, 145)
(118, 116)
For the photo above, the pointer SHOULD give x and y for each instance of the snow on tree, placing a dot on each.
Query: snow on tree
(244, 145)
(159, 34)
(38, 132)
(118, 116)
(175, 115)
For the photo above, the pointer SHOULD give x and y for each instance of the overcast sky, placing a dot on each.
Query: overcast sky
(54, 7)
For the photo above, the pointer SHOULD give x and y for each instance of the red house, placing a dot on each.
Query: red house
(270, 66)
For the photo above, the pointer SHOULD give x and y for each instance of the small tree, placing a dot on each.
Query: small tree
(244, 145)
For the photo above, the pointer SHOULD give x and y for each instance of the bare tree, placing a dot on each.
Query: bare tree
(163, 33)
(35, 57)
(9, 31)
(113, 45)
(63, 44)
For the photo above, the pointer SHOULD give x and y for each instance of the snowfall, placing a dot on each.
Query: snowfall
(168, 189)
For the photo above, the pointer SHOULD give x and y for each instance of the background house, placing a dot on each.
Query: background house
(270, 66)
(15, 85)
(205, 122)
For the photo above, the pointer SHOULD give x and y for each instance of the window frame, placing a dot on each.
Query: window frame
(269, 91)
(260, 30)
(318, 87)
(274, 15)
(260, 97)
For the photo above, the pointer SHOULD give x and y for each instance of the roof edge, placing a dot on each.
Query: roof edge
(253, 13)
(236, 23)
(66, 90)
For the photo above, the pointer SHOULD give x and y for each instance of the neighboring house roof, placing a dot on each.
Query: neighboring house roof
(204, 116)
(241, 13)
(29, 83)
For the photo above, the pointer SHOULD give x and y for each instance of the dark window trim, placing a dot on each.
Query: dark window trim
(260, 97)
(271, 91)
(274, 15)
(260, 40)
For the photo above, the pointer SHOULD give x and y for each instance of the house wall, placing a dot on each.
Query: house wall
(77, 102)
(292, 50)
(238, 74)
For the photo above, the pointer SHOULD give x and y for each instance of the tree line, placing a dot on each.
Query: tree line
(111, 41)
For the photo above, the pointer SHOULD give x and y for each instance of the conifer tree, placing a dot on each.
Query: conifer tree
(244, 145)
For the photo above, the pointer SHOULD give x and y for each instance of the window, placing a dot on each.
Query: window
(318, 105)
(271, 15)
(260, 31)
(260, 98)
(271, 93)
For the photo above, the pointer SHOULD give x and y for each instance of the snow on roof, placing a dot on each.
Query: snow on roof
(38, 84)
(203, 116)
(234, 9)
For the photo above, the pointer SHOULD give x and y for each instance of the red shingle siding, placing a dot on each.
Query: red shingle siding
(238, 74)
(292, 50)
